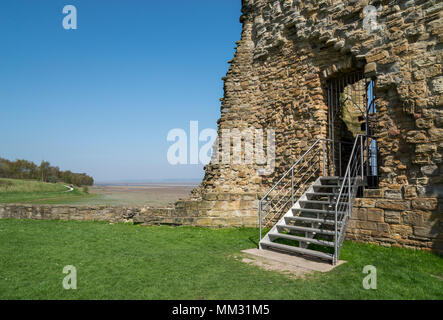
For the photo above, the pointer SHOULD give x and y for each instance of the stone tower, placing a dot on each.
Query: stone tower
(278, 78)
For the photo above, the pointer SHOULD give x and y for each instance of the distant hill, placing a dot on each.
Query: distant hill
(31, 191)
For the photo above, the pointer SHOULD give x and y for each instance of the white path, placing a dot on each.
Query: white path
(70, 189)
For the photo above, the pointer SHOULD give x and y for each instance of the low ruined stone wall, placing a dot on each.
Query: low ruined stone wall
(67, 212)
(398, 218)
(215, 210)
(384, 216)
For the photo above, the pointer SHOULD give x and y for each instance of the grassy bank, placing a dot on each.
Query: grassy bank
(31, 191)
(134, 262)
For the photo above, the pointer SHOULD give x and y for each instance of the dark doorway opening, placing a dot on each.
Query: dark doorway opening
(352, 111)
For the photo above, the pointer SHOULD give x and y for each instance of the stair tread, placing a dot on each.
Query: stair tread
(325, 193)
(334, 178)
(320, 202)
(306, 229)
(302, 239)
(327, 186)
(314, 220)
(297, 250)
(317, 210)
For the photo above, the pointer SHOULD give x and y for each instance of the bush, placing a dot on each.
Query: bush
(85, 189)
(52, 179)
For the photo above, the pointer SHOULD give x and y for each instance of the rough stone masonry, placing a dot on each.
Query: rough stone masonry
(288, 51)
(277, 79)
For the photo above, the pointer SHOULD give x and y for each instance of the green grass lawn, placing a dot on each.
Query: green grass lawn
(124, 261)
(37, 192)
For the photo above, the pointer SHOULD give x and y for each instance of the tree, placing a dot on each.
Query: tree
(4, 168)
(23, 169)
(44, 170)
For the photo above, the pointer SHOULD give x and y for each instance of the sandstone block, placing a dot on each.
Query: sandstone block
(367, 225)
(430, 170)
(425, 204)
(375, 214)
(392, 217)
(399, 205)
(203, 221)
(416, 137)
(425, 232)
(401, 230)
(372, 57)
(373, 193)
(223, 197)
(383, 228)
(365, 202)
(393, 194)
(410, 192)
(412, 218)
(370, 69)
(360, 213)
(422, 123)
(436, 134)
(249, 196)
(210, 196)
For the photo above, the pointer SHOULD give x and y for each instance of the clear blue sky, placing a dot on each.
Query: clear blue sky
(101, 99)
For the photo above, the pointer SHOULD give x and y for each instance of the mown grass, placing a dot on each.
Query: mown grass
(124, 261)
(31, 191)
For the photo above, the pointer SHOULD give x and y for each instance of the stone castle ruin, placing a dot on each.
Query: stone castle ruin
(304, 69)
(353, 91)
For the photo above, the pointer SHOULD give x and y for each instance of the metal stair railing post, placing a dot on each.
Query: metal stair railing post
(324, 157)
(350, 193)
(362, 159)
(292, 185)
(339, 161)
(259, 217)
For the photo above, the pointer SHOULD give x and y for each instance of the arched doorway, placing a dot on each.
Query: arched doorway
(351, 111)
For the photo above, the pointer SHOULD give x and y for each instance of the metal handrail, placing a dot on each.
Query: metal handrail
(287, 172)
(286, 175)
(307, 163)
(354, 170)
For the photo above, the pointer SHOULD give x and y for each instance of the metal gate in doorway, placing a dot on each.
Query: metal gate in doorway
(352, 111)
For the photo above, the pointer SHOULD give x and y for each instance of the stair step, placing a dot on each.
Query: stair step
(319, 186)
(312, 220)
(325, 194)
(302, 239)
(321, 202)
(297, 250)
(330, 178)
(306, 229)
(335, 178)
(316, 211)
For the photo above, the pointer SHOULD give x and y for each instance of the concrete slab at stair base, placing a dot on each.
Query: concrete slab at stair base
(288, 263)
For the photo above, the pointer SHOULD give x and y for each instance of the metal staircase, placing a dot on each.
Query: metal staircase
(308, 210)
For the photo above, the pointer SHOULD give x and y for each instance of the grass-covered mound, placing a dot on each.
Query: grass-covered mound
(31, 191)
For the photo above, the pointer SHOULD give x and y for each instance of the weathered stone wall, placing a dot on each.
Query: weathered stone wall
(66, 212)
(215, 210)
(277, 79)
(398, 218)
